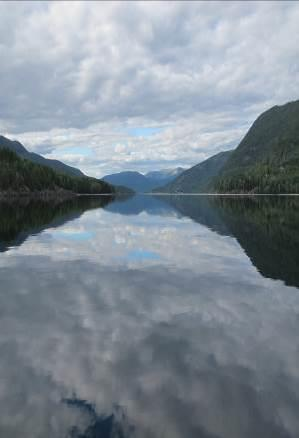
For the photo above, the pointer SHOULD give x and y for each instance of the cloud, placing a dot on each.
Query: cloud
(84, 73)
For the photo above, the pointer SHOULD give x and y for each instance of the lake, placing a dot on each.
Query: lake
(150, 317)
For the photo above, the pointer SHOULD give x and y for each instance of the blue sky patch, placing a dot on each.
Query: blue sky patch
(141, 254)
(79, 236)
(79, 150)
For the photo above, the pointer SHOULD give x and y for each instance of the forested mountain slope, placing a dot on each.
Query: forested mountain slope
(267, 159)
(22, 152)
(21, 176)
(198, 178)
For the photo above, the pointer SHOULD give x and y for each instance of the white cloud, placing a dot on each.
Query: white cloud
(79, 73)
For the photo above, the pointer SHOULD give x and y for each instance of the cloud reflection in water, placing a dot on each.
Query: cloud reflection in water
(196, 343)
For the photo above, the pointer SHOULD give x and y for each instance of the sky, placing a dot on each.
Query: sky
(142, 86)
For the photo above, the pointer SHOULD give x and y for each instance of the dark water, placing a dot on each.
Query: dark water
(173, 317)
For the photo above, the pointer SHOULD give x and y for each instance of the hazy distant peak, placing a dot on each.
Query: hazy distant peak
(164, 173)
(143, 183)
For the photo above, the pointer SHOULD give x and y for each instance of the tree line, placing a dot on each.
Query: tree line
(262, 178)
(21, 175)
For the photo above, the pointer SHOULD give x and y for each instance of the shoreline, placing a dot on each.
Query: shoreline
(49, 195)
(44, 194)
(220, 194)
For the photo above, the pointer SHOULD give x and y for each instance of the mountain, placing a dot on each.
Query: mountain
(267, 159)
(198, 178)
(22, 152)
(21, 176)
(165, 176)
(134, 180)
(143, 183)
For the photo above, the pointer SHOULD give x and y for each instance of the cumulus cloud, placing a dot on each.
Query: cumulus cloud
(82, 73)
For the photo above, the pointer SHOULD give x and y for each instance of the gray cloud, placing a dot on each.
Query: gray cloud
(73, 70)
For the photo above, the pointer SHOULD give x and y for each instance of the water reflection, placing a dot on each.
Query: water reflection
(267, 228)
(99, 426)
(193, 343)
(20, 218)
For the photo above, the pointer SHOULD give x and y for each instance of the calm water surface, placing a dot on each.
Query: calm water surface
(173, 317)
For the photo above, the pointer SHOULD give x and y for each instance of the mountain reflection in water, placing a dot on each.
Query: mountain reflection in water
(267, 228)
(20, 218)
(169, 316)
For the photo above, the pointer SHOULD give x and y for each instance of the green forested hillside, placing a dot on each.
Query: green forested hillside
(267, 159)
(22, 176)
(22, 152)
(198, 178)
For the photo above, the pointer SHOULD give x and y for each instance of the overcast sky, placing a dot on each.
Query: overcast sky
(142, 86)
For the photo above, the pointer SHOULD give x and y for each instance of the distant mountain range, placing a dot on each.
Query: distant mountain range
(143, 183)
(22, 152)
(266, 160)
